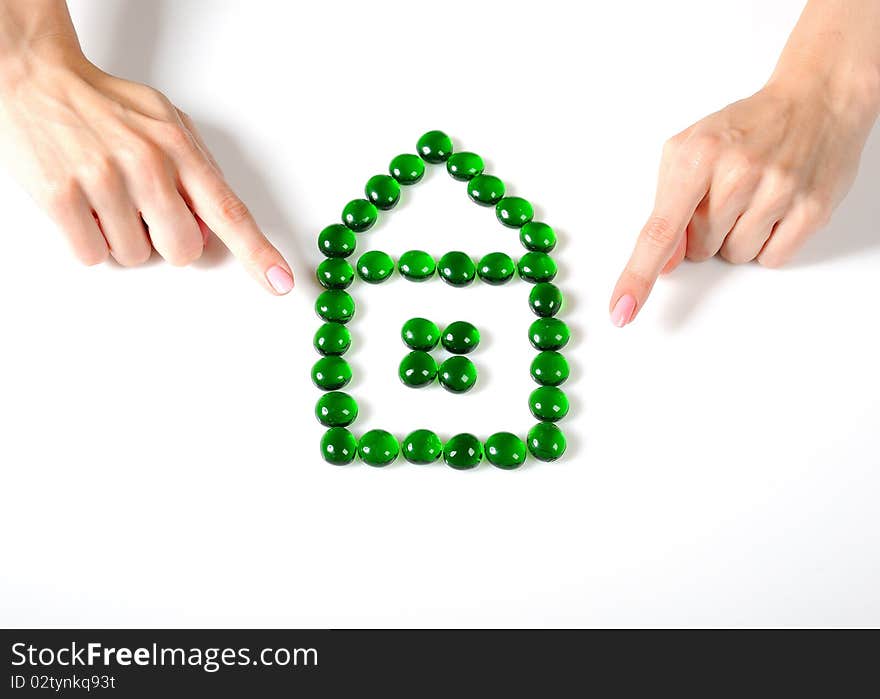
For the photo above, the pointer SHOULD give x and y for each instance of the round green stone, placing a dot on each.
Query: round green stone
(463, 451)
(383, 191)
(335, 306)
(496, 268)
(464, 166)
(457, 269)
(485, 190)
(375, 266)
(549, 368)
(546, 441)
(548, 334)
(337, 240)
(422, 447)
(360, 215)
(378, 448)
(514, 212)
(416, 265)
(505, 450)
(338, 446)
(537, 236)
(335, 273)
(458, 374)
(407, 168)
(336, 409)
(545, 299)
(460, 337)
(548, 403)
(420, 334)
(536, 267)
(417, 369)
(331, 373)
(434, 147)
(332, 339)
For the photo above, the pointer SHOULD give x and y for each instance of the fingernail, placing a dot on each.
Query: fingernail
(623, 310)
(280, 279)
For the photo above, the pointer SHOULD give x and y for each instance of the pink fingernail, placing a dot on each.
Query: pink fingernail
(623, 310)
(280, 279)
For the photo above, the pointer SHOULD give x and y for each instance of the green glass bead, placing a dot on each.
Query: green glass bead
(420, 334)
(546, 441)
(375, 266)
(464, 166)
(378, 448)
(434, 147)
(548, 334)
(496, 268)
(383, 191)
(536, 267)
(537, 236)
(338, 446)
(548, 403)
(335, 306)
(505, 450)
(407, 168)
(485, 190)
(545, 299)
(337, 240)
(549, 368)
(457, 269)
(331, 373)
(417, 369)
(332, 339)
(514, 212)
(416, 265)
(458, 374)
(336, 409)
(360, 215)
(463, 451)
(335, 273)
(422, 447)
(460, 337)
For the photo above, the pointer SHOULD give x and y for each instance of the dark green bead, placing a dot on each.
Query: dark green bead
(464, 166)
(460, 337)
(548, 334)
(383, 191)
(331, 373)
(458, 374)
(335, 273)
(360, 215)
(332, 339)
(536, 267)
(417, 369)
(378, 448)
(420, 334)
(375, 266)
(335, 306)
(463, 451)
(485, 190)
(548, 403)
(496, 268)
(505, 450)
(545, 299)
(546, 441)
(514, 212)
(336, 409)
(416, 265)
(434, 147)
(338, 446)
(407, 168)
(537, 236)
(457, 269)
(337, 240)
(549, 368)
(422, 447)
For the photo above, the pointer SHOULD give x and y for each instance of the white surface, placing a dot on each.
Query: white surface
(159, 453)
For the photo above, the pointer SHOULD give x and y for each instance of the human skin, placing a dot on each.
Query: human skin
(755, 180)
(119, 168)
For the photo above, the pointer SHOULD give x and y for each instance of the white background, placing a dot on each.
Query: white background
(159, 452)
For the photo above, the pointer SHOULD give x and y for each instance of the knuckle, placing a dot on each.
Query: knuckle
(61, 197)
(698, 149)
(100, 172)
(93, 256)
(231, 209)
(698, 252)
(175, 137)
(816, 211)
(185, 254)
(779, 187)
(735, 256)
(660, 232)
(142, 156)
(772, 260)
(133, 258)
